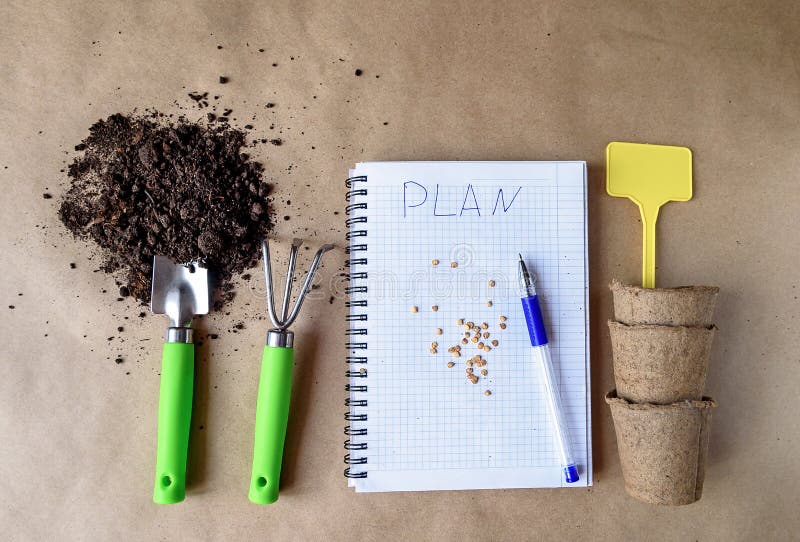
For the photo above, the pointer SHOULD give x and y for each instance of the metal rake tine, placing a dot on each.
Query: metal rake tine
(287, 292)
(268, 280)
(307, 283)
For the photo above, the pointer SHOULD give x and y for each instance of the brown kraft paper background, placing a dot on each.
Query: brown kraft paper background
(458, 81)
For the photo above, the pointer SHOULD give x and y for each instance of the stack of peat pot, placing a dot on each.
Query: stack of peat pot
(661, 343)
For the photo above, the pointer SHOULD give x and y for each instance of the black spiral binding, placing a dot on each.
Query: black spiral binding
(356, 290)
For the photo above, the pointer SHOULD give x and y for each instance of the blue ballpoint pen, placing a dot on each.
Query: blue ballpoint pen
(541, 355)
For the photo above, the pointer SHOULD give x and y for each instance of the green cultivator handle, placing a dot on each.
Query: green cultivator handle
(275, 384)
(272, 414)
(174, 419)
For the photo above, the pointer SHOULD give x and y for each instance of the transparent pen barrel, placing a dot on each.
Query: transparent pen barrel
(542, 358)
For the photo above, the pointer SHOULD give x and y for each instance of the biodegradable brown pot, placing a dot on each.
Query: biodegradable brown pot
(660, 364)
(662, 448)
(686, 306)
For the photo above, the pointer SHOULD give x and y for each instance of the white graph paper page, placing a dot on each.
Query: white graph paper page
(427, 426)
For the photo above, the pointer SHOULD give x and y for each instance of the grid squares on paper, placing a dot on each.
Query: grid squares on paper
(423, 416)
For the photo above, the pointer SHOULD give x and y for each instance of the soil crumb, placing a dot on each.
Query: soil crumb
(147, 185)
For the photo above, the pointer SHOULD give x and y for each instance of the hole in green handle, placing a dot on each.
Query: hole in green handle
(166, 481)
(261, 482)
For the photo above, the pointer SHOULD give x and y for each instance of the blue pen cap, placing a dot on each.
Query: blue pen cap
(534, 319)
(571, 474)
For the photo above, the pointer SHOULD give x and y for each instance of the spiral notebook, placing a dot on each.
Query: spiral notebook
(433, 247)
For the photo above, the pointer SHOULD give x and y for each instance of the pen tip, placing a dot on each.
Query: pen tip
(520, 256)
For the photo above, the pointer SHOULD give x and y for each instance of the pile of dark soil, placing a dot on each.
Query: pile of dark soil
(146, 185)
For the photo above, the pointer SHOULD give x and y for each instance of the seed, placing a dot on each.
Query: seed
(456, 354)
(460, 321)
(453, 264)
(485, 334)
(435, 308)
(470, 325)
(470, 370)
(466, 334)
(484, 372)
(362, 371)
(495, 343)
(414, 309)
(487, 348)
(473, 379)
(489, 303)
(450, 364)
(491, 284)
(502, 326)
(474, 339)
(433, 351)
(439, 331)
(434, 344)
(487, 393)
(503, 318)
(470, 363)
(464, 341)
(435, 262)
(485, 325)
(457, 348)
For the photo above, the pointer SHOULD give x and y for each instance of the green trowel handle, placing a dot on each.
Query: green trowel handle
(174, 419)
(272, 414)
